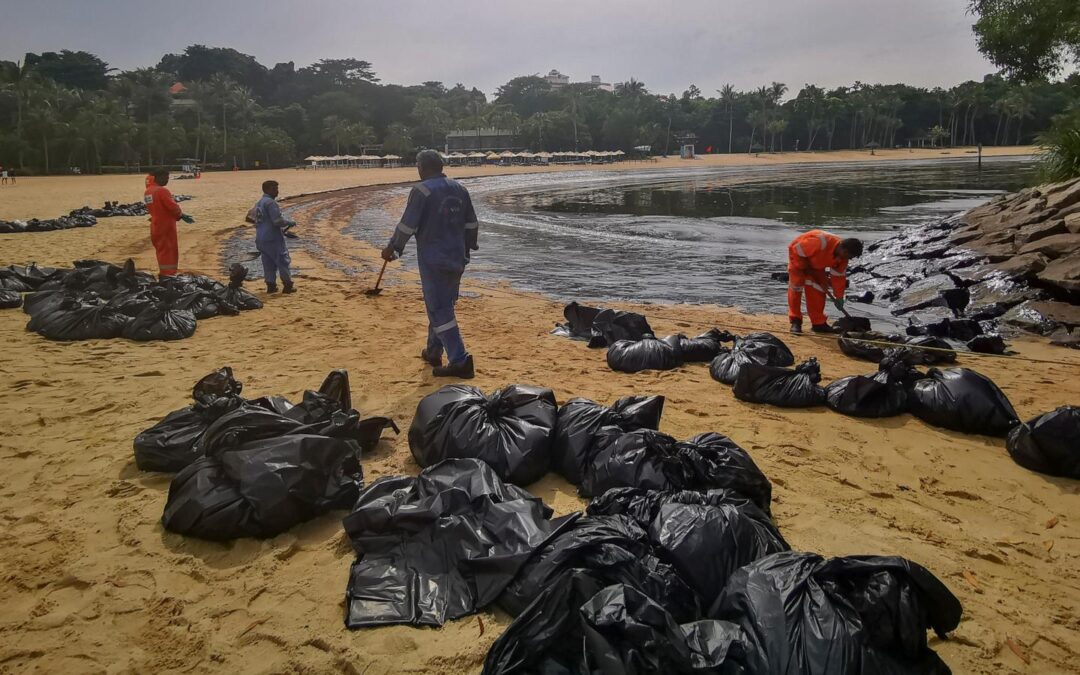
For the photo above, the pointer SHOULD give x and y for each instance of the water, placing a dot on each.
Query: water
(703, 235)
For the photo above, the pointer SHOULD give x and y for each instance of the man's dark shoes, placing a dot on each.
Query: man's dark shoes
(462, 371)
(796, 326)
(433, 361)
(289, 288)
(822, 328)
(271, 289)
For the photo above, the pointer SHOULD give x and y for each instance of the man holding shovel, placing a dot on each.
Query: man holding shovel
(816, 261)
(440, 215)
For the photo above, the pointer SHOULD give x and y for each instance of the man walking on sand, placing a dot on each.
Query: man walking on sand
(440, 214)
(270, 226)
(164, 212)
(817, 260)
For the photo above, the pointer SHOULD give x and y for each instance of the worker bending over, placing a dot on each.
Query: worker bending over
(164, 212)
(816, 261)
(270, 227)
(440, 214)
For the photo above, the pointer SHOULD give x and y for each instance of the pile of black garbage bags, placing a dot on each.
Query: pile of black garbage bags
(85, 216)
(256, 467)
(675, 567)
(96, 300)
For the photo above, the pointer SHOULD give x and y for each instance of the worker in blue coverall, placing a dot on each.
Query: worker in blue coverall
(440, 215)
(270, 227)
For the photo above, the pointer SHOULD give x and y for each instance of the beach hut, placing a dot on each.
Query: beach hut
(476, 158)
(392, 161)
(543, 157)
(526, 158)
(457, 158)
(492, 157)
(370, 161)
(506, 157)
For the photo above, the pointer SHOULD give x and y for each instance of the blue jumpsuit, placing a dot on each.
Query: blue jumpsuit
(440, 215)
(270, 241)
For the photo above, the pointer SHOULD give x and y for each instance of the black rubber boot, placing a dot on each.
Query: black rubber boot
(822, 328)
(796, 326)
(289, 288)
(462, 371)
(433, 361)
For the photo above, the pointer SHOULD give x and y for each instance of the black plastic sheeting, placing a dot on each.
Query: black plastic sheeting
(706, 536)
(580, 422)
(856, 345)
(80, 217)
(784, 387)
(962, 400)
(579, 321)
(761, 348)
(259, 467)
(883, 394)
(612, 325)
(616, 548)
(512, 429)
(653, 460)
(703, 348)
(99, 300)
(801, 613)
(648, 353)
(441, 545)
(1049, 443)
(10, 299)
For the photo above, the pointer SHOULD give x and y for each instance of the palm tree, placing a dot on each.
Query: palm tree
(727, 99)
(146, 90)
(98, 123)
(336, 130)
(44, 113)
(16, 79)
(810, 102)
(223, 91)
(1022, 109)
(430, 116)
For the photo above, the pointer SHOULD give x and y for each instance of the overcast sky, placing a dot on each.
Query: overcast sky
(483, 43)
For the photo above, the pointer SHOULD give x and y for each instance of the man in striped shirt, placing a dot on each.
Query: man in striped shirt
(816, 261)
(440, 215)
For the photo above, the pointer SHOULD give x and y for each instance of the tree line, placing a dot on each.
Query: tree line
(70, 109)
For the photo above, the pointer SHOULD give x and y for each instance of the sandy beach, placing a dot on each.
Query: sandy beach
(92, 583)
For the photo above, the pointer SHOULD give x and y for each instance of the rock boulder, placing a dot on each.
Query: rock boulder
(1064, 273)
(1053, 247)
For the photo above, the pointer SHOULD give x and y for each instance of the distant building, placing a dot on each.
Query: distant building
(558, 80)
(180, 98)
(484, 140)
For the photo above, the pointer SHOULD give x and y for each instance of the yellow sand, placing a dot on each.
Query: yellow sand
(91, 582)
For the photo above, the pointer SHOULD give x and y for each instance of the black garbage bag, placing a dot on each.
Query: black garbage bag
(868, 615)
(705, 347)
(927, 351)
(512, 429)
(170, 445)
(648, 353)
(848, 323)
(957, 329)
(857, 345)
(615, 549)
(31, 276)
(762, 348)
(883, 394)
(612, 325)
(77, 319)
(962, 400)
(784, 387)
(580, 421)
(159, 322)
(579, 321)
(10, 282)
(234, 294)
(987, 344)
(44, 301)
(655, 461)
(439, 546)
(1049, 443)
(10, 299)
(203, 304)
(261, 488)
(705, 535)
(133, 302)
(582, 626)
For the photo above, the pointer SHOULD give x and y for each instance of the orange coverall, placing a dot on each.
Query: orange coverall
(164, 212)
(813, 265)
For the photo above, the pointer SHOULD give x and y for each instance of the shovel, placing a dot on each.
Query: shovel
(375, 291)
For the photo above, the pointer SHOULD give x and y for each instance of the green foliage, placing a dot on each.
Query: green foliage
(1060, 157)
(1028, 38)
(77, 70)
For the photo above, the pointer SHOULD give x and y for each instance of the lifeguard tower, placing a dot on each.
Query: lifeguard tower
(686, 144)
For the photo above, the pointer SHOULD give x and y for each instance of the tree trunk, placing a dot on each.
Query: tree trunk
(997, 131)
(19, 127)
(753, 132)
(730, 124)
(1019, 128)
(45, 148)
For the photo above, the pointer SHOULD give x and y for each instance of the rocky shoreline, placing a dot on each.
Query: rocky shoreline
(1012, 264)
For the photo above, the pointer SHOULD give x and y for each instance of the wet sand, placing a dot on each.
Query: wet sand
(92, 583)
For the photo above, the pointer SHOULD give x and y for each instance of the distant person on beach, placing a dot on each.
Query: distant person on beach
(164, 212)
(816, 261)
(440, 214)
(270, 227)
(3, 176)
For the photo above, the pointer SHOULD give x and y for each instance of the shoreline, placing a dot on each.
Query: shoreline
(94, 583)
